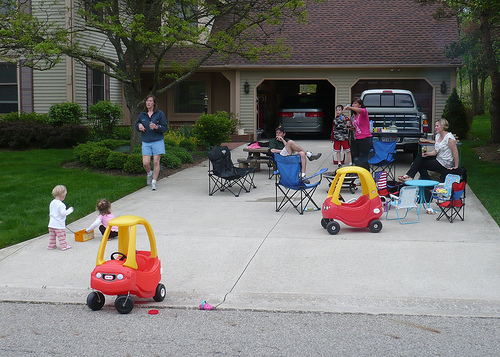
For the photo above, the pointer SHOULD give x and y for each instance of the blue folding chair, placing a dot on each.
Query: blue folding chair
(383, 159)
(288, 182)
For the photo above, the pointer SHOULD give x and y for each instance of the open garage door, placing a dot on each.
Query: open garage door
(420, 88)
(273, 95)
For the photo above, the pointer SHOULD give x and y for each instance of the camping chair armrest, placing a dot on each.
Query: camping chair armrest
(394, 197)
(320, 172)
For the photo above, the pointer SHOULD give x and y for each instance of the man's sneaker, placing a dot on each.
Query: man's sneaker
(153, 186)
(314, 156)
(149, 178)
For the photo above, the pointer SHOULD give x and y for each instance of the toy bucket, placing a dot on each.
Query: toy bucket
(82, 236)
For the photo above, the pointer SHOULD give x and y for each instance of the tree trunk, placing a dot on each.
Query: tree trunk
(481, 95)
(495, 107)
(475, 93)
(492, 67)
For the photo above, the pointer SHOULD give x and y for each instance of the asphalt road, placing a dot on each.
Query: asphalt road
(29, 329)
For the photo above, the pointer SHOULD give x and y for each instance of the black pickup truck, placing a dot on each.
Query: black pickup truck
(395, 115)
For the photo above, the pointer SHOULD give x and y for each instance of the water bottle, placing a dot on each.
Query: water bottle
(371, 126)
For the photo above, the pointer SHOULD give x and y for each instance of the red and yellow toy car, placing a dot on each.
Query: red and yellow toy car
(364, 212)
(129, 271)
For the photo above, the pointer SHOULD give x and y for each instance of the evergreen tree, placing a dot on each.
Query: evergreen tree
(454, 112)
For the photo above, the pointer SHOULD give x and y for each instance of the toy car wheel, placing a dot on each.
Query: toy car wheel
(375, 226)
(121, 256)
(333, 227)
(124, 304)
(353, 189)
(161, 292)
(95, 300)
(324, 222)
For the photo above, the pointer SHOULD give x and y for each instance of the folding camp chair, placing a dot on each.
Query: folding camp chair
(225, 176)
(288, 182)
(383, 160)
(442, 191)
(454, 205)
(407, 200)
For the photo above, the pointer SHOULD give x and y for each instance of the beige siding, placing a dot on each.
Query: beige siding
(343, 80)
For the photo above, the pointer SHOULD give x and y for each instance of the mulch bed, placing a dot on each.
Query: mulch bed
(488, 152)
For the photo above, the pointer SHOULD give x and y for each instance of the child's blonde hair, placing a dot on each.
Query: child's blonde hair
(104, 206)
(59, 190)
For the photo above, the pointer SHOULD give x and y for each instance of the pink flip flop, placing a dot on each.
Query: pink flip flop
(206, 306)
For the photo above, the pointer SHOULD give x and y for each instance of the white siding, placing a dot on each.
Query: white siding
(67, 82)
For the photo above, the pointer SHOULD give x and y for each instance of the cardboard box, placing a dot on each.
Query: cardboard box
(82, 236)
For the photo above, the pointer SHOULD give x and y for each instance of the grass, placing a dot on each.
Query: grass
(482, 175)
(28, 178)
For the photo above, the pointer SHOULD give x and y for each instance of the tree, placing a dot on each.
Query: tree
(141, 32)
(486, 14)
(454, 112)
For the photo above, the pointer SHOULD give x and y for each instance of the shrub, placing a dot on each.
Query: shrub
(25, 135)
(65, 113)
(116, 160)
(181, 153)
(99, 157)
(213, 129)
(114, 143)
(103, 117)
(454, 112)
(170, 160)
(84, 151)
(137, 149)
(170, 142)
(123, 132)
(134, 164)
(188, 143)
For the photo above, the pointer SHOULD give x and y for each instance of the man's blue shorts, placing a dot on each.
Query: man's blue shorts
(153, 148)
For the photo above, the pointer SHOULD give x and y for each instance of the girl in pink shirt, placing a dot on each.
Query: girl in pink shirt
(363, 142)
(102, 220)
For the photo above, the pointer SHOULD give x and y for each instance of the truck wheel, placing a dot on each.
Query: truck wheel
(161, 292)
(95, 300)
(375, 226)
(333, 227)
(124, 304)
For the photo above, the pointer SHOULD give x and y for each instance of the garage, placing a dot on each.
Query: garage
(420, 88)
(272, 95)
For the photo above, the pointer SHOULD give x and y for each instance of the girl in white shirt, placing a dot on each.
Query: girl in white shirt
(57, 221)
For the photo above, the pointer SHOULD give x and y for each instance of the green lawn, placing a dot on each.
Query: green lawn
(27, 180)
(482, 175)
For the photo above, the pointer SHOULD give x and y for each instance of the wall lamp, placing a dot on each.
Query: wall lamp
(246, 87)
(443, 87)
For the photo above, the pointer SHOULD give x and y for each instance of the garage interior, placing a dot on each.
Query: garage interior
(270, 94)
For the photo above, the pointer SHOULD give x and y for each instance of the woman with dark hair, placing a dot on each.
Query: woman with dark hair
(152, 122)
(443, 159)
(363, 140)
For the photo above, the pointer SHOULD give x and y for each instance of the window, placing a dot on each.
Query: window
(188, 97)
(388, 100)
(8, 88)
(97, 86)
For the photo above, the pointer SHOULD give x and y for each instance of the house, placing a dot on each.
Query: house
(343, 49)
(26, 90)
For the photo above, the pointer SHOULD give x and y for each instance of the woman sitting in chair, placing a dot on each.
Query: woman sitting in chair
(443, 159)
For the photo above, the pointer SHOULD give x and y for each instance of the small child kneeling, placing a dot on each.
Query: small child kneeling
(105, 215)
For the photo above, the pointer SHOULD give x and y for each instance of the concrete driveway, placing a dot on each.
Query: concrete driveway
(238, 253)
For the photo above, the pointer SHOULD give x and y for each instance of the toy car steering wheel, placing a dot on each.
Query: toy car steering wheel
(123, 256)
